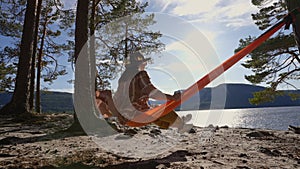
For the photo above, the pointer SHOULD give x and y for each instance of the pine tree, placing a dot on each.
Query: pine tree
(276, 62)
(81, 38)
(122, 29)
(50, 47)
(20, 100)
(50, 40)
(103, 13)
(11, 20)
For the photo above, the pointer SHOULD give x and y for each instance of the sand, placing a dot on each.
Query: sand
(39, 144)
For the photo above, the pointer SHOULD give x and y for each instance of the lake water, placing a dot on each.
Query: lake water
(278, 118)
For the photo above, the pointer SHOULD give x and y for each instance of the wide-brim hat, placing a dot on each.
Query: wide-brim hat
(137, 58)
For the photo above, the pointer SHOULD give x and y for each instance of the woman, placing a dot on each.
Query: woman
(134, 91)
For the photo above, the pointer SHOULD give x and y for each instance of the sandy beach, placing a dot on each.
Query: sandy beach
(40, 144)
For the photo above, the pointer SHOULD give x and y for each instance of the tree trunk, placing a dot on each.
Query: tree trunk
(81, 26)
(294, 4)
(39, 70)
(20, 100)
(81, 37)
(33, 65)
(92, 32)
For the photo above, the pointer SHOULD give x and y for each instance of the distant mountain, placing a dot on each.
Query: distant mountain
(229, 96)
(225, 96)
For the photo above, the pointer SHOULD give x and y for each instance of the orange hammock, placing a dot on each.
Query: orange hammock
(157, 112)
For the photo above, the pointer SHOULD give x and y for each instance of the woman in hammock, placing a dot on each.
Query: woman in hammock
(134, 91)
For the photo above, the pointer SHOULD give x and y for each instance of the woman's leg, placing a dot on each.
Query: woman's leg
(170, 119)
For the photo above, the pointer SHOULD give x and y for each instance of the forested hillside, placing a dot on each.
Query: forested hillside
(237, 96)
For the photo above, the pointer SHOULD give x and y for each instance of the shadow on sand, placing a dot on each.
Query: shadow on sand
(178, 156)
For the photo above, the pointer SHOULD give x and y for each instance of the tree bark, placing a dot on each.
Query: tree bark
(294, 4)
(92, 34)
(20, 100)
(81, 37)
(39, 70)
(81, 26)
(33, 65)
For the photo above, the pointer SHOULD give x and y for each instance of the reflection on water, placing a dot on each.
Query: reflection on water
(271, 118)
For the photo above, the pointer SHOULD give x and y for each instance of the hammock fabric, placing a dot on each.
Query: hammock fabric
(159, 111)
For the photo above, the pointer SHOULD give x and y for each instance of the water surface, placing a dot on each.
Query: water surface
(277, 118)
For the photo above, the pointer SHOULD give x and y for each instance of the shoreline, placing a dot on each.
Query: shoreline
(36, 146)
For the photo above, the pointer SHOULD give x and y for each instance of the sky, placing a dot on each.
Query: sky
(221, 22)
(199, 35)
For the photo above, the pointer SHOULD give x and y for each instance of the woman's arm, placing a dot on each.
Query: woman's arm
(150, 90)
(158, 95)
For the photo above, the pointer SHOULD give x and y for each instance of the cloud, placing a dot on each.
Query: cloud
(194, 54)
(69, 4)
(193, 7)
(222, 22)
(210, 35)
(231, 13)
